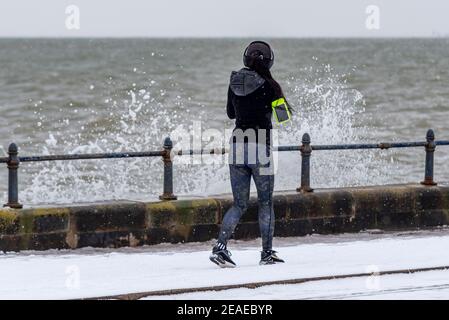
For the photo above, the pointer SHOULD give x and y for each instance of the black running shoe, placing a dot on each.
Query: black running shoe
(269, 257)
(221, 256)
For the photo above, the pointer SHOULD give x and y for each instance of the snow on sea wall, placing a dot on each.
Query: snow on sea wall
(133, 223)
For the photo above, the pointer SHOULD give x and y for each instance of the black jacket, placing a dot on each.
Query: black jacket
(249, 100)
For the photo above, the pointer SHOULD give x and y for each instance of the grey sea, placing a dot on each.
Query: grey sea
(82, 96)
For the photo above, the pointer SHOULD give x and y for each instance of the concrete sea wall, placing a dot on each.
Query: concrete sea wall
(132, 223)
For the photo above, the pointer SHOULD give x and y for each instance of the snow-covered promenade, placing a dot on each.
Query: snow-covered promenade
(98, 272)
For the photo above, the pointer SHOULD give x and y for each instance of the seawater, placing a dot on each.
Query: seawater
(110, 95)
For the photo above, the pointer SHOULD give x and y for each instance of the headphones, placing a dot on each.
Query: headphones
(268, 61)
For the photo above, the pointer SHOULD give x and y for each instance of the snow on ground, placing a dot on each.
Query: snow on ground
(97, 272)
(421, 285)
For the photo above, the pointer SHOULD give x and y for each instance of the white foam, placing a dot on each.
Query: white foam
(325, 107)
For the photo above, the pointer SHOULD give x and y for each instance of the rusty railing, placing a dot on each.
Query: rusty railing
(13, 161)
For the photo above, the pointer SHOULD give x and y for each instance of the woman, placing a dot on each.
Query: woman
(251, 93)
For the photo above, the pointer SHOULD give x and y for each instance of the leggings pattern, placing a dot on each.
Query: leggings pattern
(240, 181)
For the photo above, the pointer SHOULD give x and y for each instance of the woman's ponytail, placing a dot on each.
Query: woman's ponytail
(257, 65)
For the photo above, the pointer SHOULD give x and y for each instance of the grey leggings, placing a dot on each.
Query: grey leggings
(240, 182)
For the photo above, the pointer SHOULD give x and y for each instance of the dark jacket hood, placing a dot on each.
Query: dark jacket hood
(245, 82)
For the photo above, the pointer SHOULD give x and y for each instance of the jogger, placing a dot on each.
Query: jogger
(252, 94)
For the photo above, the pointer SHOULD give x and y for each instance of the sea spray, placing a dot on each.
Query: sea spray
(331, 112)
(325, 107)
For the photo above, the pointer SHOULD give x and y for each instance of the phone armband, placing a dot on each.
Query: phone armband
(280, 110)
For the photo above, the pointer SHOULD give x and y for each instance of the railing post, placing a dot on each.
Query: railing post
(168, 171)
(306, 151)
(13, 180)
(430, 150)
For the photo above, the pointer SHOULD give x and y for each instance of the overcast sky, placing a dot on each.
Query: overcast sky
(226, 18)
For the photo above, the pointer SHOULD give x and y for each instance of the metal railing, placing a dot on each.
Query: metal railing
(13, 161)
